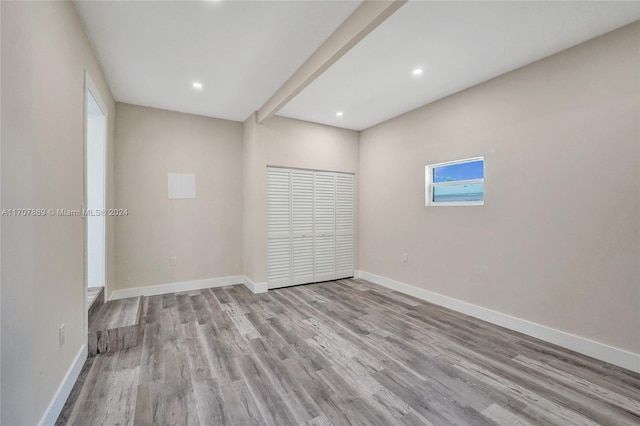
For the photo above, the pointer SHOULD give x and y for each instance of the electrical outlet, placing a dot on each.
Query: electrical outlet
(61, 335)
(172, 261)
(405, 258)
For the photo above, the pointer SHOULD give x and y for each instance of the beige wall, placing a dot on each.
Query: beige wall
(558, 239)
(204, 234)
(44, 55)
(288, 143)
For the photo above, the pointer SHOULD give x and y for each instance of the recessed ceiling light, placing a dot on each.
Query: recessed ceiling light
(339, 113)
(197, 85)
(417, 71)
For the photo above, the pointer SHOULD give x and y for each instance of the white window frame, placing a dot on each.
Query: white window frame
(430, 185)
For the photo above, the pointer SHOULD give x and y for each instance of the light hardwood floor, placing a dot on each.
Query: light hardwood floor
(342, 353)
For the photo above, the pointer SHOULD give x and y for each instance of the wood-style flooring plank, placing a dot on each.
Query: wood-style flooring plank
(340, 353)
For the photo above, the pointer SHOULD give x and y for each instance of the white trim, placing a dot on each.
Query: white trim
(155, 290)
(91, 89)
(597, 350)
(254, 287)
(89, 85)
(310, 170)
(464, 160)
(57, 403)
(456, 182)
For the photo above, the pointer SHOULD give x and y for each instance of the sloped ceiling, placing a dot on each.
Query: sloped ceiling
(456, 44)
(240, 51)
(243, 51)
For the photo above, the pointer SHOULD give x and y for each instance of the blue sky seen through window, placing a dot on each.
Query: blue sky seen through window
(456, 172)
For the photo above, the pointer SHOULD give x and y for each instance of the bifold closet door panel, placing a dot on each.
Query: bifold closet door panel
(302, 226)
(324, 215)
(310, 226)
(344, 225)
(278, 227)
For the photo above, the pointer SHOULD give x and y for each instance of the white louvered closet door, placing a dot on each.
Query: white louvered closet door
(344, 225)
(324, 215)
(278, 227)
(310, 223)
(302, 226)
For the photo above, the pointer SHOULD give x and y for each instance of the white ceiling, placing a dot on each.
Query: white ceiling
(241, 51)
(459, 44)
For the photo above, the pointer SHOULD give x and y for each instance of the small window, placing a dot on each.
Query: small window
(456, 183)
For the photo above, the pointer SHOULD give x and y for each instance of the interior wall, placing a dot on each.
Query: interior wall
(558, 239)
(44, 56)
(204, 234)
(288, 143)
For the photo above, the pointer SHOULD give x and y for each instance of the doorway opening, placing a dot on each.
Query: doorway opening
(95, 195)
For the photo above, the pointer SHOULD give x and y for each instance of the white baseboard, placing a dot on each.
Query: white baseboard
(597, 350)
(156, 290)
(254, 287)
(57, 403)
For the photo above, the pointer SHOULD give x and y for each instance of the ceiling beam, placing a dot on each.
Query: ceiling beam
(361, 22)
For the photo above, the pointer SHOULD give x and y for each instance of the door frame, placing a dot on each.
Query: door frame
(90, 88)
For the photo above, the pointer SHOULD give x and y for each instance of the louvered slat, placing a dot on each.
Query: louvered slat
(344, 225)
(278, 227)
(302, 226)
(324, 215)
